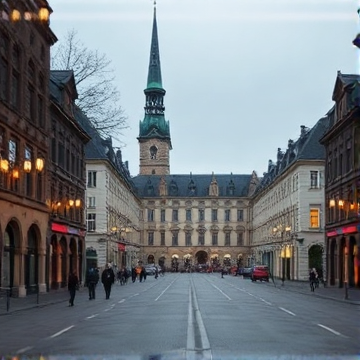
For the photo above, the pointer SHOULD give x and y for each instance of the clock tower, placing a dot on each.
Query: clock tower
(154, 135)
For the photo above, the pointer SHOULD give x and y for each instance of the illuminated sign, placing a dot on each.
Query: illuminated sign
(64, 229)
(351, 229)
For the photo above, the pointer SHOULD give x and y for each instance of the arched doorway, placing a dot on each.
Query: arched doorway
(80, 259)
(73, 256)
(151, 259)
(353, 266)
(315, 254)
(201, 257)
(333, 261)
(10, 243)
(162, 261)
(63, 262)
(54, 284)
(32, 261)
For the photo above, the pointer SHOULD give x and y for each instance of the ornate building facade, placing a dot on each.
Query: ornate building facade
(287, 222)
(342, 143)
(24, 148)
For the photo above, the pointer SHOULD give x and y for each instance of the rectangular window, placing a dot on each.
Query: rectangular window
(150, 238)
(91, 202)
(53, 150)
(91, 179)
(32, 104)
(214, 214)
(41, 117)
(240, 239)
(61, 155)
(314, 180)
(4, 81)
(227, 239)
(240, 215)
(214, 238)
(188, 214)
(188, 239)
(150, 213)
(175, 215)
(15, 90)
(175, 238)
(314, 218)
(162, 215)
(91, 222)
(227, 215)
(201, 214)
(162, 238)
(201, 239)
(28, 174)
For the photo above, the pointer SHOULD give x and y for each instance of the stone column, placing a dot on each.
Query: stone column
(41, 270)
(20, 264)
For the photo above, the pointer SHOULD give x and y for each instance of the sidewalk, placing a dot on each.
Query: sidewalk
(329, 292)
(33, 301)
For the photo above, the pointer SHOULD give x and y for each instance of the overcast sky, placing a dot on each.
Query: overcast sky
(240, 76)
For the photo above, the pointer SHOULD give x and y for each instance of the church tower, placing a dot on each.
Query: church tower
(154, 135)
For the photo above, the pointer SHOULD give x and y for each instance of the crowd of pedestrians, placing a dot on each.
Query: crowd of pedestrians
(108, 278)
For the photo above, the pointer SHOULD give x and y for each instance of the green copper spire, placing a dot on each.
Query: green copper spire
(154, 75)
(154, 124)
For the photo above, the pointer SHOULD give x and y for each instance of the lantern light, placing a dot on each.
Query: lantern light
(77, 202)
(341, 203)
(15, 174)
(39, 164)
(28, 16)
(44, 14)
(27, 166)
(15, 15)
(332, 203)
(71, 202)
(4, 165)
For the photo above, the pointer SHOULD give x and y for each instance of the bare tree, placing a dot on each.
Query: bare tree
(98, 96)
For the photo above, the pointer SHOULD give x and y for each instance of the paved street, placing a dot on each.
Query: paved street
(188, 316)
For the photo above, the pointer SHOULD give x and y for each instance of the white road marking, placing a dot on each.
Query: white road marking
(27, 348)
(121, 301)
(221, 291)
(266, 302)
(108, 309)
(61, 331)
(329, 329)
(287, 311)
(164, 290)
(92, 316)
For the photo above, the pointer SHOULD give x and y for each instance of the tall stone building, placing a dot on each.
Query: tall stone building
(24, 148)
(187, 219)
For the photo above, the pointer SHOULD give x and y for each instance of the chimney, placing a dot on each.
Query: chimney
(290, 143)
(303, 130)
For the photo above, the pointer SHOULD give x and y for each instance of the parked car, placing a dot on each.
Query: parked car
(260, 272)
(245, 272)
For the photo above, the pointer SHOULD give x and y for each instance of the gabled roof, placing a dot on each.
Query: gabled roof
(342, 81)
(306, 147)
(102, 149)
(191, 185)
(59, 79)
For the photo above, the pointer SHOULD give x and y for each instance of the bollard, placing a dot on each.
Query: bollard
(37, 294)
(346, 290)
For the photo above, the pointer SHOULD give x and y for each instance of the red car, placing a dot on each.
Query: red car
(260, 272)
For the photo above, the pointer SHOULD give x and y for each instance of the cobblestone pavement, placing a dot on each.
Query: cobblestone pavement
(62, 295)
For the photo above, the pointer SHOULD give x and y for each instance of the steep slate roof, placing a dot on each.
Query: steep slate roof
(100, 149)
(306, 147)
(58, 80)
(144, 183)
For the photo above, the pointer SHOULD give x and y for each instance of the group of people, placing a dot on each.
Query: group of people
(107, 279)
(91, 280)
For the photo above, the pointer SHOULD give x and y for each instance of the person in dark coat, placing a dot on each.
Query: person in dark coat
(73, 283)
(133, 274)
(92, 278)
(108, 278)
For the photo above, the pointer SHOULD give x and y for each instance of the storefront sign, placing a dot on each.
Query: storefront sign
(351, 229)
(121, 247)
(64, 229)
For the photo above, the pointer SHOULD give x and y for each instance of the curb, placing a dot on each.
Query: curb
(352, 302)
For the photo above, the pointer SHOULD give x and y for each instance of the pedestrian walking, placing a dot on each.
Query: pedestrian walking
(73, 285)
(133, 274)
(312, 279)
(108, 279)
(91, 280)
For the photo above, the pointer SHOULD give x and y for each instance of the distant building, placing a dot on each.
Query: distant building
(113, 209)
(197, 219)
(287, 223)
(342, 192)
